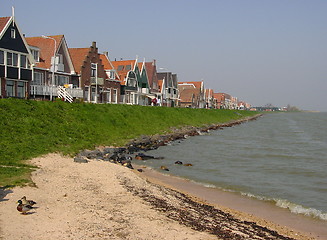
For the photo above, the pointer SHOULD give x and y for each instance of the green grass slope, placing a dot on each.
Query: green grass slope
(32, 128)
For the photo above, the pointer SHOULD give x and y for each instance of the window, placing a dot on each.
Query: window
(9, 59)
(112, 74)
(60, 59)
(86, 93)
(20, 89)
(93, 69)
(13, 33)
(38, 78)
(36, 55)
(2, 57)
(15, 59)
(23, 61)
(61, 80)
(10, 88)
(128, 67)
(114, 96)
(93, 94)
(120, 68)
(108, 95)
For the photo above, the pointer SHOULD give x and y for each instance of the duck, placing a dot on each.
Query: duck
(27, 202)
(164, 168)
(23, 208)
(179, 162)
(188, 164)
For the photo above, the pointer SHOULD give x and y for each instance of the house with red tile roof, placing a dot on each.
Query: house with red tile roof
(92, 76)
(168, 88)
(224, 100)
(53, 68)
(192, 91)
(133, 76)
(127, 71)
(112, 85)
(15, 60)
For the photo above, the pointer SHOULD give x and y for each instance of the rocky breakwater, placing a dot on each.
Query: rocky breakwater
(135, 149)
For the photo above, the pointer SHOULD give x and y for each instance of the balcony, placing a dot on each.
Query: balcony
(42, 90)
(97, 81)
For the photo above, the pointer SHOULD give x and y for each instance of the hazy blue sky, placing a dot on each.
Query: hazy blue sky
(261, 51)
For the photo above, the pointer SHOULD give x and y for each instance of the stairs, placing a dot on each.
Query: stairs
(62, 93)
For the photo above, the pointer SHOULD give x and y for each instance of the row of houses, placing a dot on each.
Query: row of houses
(45, 68)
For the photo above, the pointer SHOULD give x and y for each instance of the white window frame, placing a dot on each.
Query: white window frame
(13, 33)
(9, 63)
(13, 92)
(108, 95)
(40, 81)
(20, 61)
(94, 69)
(115, 95)
(36, 54)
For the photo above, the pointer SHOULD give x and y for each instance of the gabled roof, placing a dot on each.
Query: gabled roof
(122, 71)
(107, 64)
(3, 22)
(151, 70)
(187, 95)
(78, 55)
(19, 42)
(46, 47)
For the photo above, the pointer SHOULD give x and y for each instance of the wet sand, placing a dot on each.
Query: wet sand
(263, 211)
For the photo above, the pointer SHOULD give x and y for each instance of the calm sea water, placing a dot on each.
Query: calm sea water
(281, 158)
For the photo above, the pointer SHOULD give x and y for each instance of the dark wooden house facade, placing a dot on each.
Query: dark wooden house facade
(15, 61)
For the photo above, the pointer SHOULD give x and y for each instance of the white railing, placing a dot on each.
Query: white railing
(42, 90)
(62, 93)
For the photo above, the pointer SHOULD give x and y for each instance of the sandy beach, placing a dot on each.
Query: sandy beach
(102, 200)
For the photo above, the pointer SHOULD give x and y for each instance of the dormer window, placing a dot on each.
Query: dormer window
(36, 53)
(128, 67)
(13, 33)
(112, 74)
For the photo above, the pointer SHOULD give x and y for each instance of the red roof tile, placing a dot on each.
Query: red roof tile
(78, 55)
(187, 94)
(3, 22)
(46, 47)
(106, 62)
(123, 72)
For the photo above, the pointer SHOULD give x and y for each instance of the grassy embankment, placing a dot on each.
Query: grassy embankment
(32, 128)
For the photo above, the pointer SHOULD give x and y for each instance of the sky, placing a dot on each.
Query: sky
(261, 51)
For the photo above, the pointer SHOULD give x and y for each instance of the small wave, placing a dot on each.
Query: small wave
(292, 207)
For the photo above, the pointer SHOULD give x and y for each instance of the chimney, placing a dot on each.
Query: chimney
(94, 44)
(106, 53)
(154, 62)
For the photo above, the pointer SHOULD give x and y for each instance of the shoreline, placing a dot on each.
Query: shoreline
(87, 197)
(243, 206)
(101, 200)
